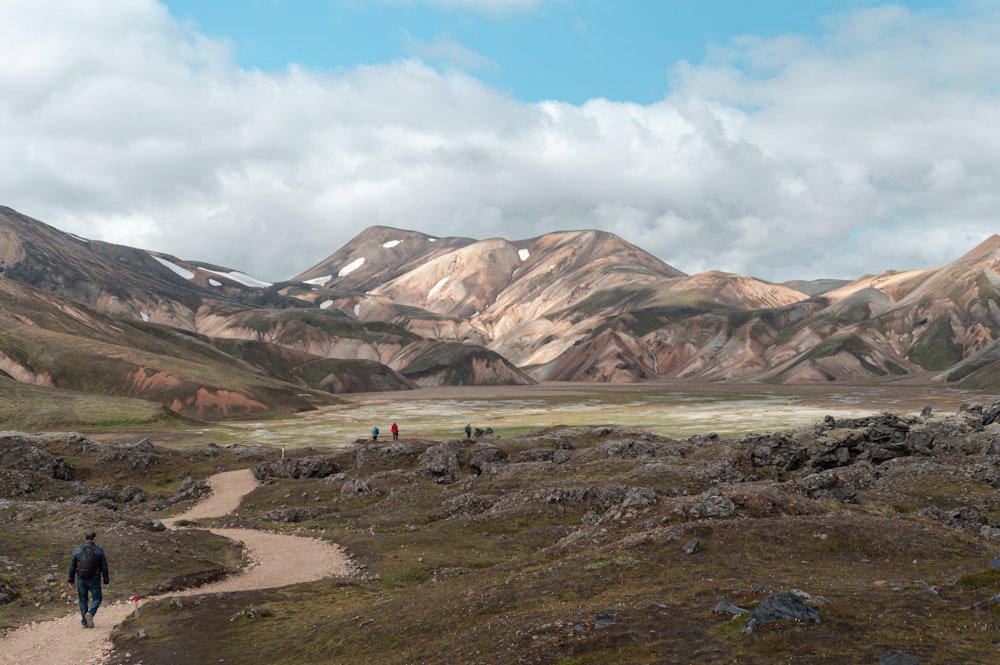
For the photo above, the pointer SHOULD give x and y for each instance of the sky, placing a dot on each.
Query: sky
(781, 139)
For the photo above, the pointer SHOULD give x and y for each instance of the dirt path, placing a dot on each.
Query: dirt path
(274, 560)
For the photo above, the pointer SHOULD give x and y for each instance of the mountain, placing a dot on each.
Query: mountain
(395, 309)
(49, 341)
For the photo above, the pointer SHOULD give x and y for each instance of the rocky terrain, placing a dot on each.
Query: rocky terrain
(396, 309)
(854, 540)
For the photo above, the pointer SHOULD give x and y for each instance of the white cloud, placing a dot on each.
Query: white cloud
(451, 53)
(873, 148)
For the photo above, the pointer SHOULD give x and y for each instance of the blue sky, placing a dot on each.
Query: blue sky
(776, 139)
(567, 50)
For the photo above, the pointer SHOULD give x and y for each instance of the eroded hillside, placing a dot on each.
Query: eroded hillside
(386, 311)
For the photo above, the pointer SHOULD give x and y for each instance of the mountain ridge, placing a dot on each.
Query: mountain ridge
(395, 309)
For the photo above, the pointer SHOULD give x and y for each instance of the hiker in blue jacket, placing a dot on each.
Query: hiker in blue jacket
(87, 567)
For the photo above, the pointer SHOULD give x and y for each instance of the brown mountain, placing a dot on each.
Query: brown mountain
(49, 341)
(395, 309)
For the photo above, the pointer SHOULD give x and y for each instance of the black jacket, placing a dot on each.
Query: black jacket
(102, 563)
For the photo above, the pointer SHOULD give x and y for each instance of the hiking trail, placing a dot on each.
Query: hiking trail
(274, 560)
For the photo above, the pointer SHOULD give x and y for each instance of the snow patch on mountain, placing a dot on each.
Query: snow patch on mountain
(214, 282)
(524, 254)
(325, 304)
(319, 281)
(437, 287)
(390, 244)
(242, 278)
(351, 267)
(176, 269)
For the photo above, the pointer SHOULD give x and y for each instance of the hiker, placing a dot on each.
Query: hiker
(86, 567)
(468, 430)
(374, 433)
(395, 432)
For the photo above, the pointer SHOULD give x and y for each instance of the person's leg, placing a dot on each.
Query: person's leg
(96, 596)
(81, 592)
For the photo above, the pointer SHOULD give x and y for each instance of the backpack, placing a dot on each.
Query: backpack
(87, 564)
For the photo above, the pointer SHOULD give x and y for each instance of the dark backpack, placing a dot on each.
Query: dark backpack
(87, 564)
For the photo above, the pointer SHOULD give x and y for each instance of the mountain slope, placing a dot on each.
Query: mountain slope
(48, 341)
(375, 256)
(396, 309)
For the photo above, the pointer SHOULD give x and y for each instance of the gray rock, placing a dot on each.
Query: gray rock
(441, 463)
(630, 449)
(132, 494)
(482, 457)
(712, 504)
(358, 487)
(828, 484)
(727, 608)
(465, 505)
(782, 605)
(897, 658)
(533, 455)
(604, 620)
(397, 454)
(144, 446)
(302, 467)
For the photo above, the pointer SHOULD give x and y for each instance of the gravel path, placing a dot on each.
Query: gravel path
(273, 560)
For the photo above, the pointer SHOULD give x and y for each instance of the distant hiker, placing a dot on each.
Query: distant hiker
(395, 432)
(86, 567)
(468, 430)
(374, 433)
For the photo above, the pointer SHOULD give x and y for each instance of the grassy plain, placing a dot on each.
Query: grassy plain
(529, 564)
(668, 409)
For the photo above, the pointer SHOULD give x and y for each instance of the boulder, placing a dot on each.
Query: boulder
(301, 467)
(782, 605)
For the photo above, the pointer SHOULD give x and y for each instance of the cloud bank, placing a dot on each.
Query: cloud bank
(873, 148)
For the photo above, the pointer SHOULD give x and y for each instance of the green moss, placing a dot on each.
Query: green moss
(936, 349)
(987, 579)
(986, 291)
(410, 313)
(640, 322)
(837, 344)
(453, 360)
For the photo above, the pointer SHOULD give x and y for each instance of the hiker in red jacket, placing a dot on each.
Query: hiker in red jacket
(395, 432)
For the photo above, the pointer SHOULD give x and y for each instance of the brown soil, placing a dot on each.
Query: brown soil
(273, 560)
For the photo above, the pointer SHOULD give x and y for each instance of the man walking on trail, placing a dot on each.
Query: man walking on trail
(468, 430)
(374, 433)
(87, 567)
(395, 432)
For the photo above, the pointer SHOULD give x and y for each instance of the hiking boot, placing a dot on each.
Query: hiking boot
(89, 619)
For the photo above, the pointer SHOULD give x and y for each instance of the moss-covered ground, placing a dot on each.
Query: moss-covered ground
(504, 567)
